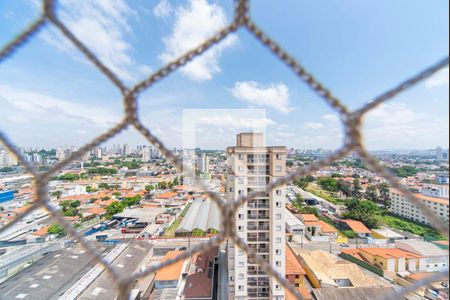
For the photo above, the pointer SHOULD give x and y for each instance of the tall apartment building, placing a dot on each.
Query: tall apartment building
(400, 205)
(260, 222)
(203, 163)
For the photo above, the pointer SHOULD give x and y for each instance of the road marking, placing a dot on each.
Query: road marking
(33, 286)
(21, 296)
(96, 291)
(82, 252)
(47, 277)
(57, 255)
(75, 256)
(129, 255)
(120, 266)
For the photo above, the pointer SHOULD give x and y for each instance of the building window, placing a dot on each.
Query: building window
(278, 251)
(241, 216)
(241, 252)
(241, 276)
(240, 287)
(278, 240)
(278, 204)
(231, 190)
(278, 156)
(278, 228)
(278, 168)
(278, 192)
(240, 228)
(277, 287)
(278, 216)
(241, 156)
(241, 264)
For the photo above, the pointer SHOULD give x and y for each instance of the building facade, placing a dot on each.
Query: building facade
(401, 206)
(259, 222)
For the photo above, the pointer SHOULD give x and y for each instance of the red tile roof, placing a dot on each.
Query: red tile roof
(293, 266)
(199, 281)
(357, 226)
(172, 272)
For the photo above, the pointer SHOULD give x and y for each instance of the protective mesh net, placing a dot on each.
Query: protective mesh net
(352, 121)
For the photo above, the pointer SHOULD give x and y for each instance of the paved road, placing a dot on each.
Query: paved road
(129, 261)
(49, 277)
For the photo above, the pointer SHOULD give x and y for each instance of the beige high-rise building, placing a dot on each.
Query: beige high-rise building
(260, 222)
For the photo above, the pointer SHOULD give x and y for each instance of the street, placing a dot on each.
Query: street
(49, 277)
(129, 261)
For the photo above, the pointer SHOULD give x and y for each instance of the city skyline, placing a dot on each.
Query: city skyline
(72, 103)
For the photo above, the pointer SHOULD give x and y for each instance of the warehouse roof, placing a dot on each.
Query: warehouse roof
(203, 215)
(360, 293)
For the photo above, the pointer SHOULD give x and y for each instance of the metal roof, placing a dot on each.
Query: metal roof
(203, 215)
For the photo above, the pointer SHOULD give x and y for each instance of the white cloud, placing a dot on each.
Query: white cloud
(103, 27)
(145, 70)
(193, 24)
(396, 125)
(331, 118)
(163, 9)
(312, 125)
(234, 122)
(439, 79)
(32, 106)
(273, 95)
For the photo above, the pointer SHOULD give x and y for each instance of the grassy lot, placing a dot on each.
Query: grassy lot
(325, 195)
(410, 226)
(170, 232)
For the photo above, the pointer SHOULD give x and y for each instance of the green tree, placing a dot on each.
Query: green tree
(162, 185)
(328, 184)
(103, 186)
(130, 201)
(149, 188)
(344, 187)
(75, 203)
(404, 171)
(57, 194)
(57, 229)
(356, 192)
(385, 197)
(89, 189)
(364, 211)
(372, 193)
(350, 234)
(113, 208)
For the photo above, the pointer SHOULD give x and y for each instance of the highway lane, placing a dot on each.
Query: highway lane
(49, 277)
(128, 262)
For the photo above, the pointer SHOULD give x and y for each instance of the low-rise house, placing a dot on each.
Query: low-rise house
(317, 230)
(293, 224)
(200, 279)
(294, 271)
(328, 271)
(385, 233)
(170, 276)
(358, 227)
(387, 259)
(433, 258)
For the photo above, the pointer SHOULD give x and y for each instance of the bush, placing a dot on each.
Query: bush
(57, 229)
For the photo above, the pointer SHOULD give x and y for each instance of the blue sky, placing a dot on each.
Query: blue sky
(51, 95)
